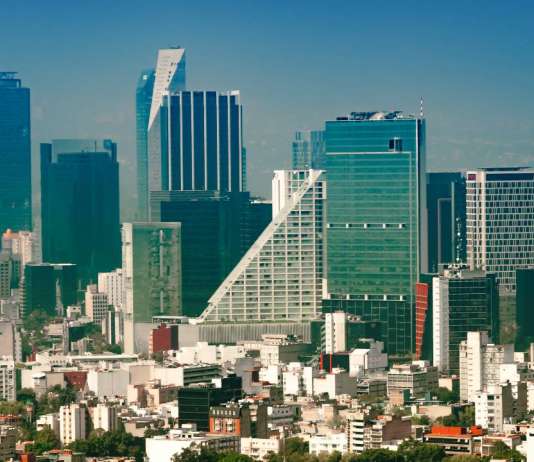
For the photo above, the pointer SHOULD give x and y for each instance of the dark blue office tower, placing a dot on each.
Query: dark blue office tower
(15, 154)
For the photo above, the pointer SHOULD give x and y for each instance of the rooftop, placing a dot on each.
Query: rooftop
(376, 115)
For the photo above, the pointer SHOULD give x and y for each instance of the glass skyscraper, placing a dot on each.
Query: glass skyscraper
(15, 154)
(152, 84)
(195, 143)
(80, 205)
(308, 150)
(446, 219)
(376, 224)
(143, 100)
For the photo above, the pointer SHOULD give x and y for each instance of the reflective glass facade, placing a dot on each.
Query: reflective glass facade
(15, 154)
(143, 100)
(376, 183)
(195, 143)
(446, 219)
(463, 301)
(308, 150)
(80, 205)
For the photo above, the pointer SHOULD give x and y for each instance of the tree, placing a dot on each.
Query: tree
(26, 395)
(420, 420)
(45, 440)
(379, 455)
(191, 455)
(464, 458)
(501, 451)
(415, 451)
(447, 396)
(234, 457)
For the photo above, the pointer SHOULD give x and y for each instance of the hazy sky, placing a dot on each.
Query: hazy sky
(297, 63)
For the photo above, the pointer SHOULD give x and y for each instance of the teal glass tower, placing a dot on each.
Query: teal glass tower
(375, 241)
(143, 100)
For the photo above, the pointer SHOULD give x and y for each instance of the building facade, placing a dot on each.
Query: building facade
(143, 101)
(72, 423)
(500, 226)
(96, 304)
(480, 364)
(112, 284)
(196, 144)
(376, 222)
(308, 150)
(280, 277)
(446, 219)
(152, 273)
(15, 154)
(463, 301)
(80, 205)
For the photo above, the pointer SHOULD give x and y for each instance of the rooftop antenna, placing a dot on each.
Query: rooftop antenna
(421, 112)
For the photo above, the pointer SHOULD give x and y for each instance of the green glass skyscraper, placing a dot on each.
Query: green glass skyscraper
(375, 241)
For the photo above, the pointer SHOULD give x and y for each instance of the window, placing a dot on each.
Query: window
(395, 144)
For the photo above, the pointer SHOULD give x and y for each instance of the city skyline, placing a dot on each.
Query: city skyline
(485, 74)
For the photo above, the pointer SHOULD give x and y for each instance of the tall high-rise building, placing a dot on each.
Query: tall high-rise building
(446, 219)
(46, 287)
(308, 150)
(72, 423)
(152, 272)
(500, 222)
(96, 304)
(217, 228)
(143, 101)
(39, 289)
(500, 230)
(152, 84)
(280, 278)
(463, 301)
(23, 244)
(376, 220)
(15, 154)
(195, 143)
(80, 205)
(112, 284)
(480, 364)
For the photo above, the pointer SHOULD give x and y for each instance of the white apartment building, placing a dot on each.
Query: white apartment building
(367, 360)
(259, 448)
(112, 285)
(500, 222)
(48, 420)
(71, 423)
(480, 363)
(326, 444)
(355, 430)
(163, 448)
(108, 382)
(280, 278)
(104, 416)
(96, 304)
(202, 352)
(8, 387)
(338, 382)
(493, 406)
(335, 332)
(297, 380)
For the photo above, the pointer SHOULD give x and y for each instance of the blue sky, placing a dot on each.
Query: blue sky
(297, 63)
